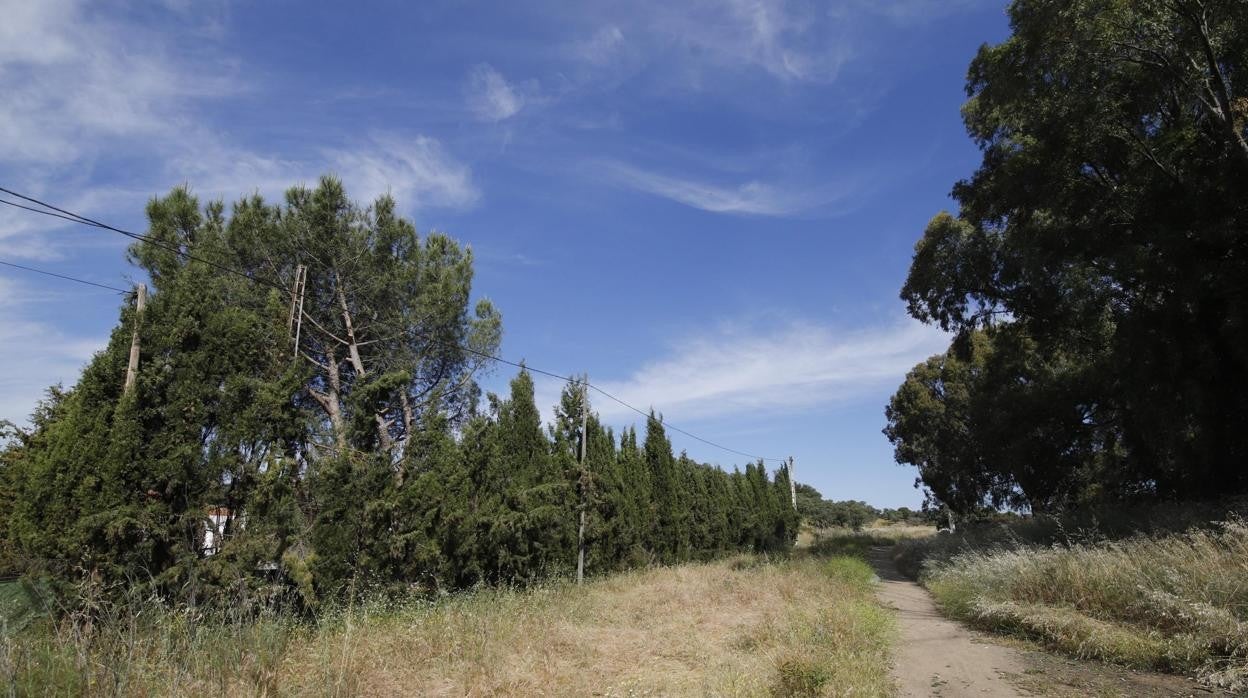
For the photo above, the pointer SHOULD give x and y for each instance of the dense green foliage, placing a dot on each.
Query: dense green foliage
(1095, 272)
(824, 513)
(340, 438)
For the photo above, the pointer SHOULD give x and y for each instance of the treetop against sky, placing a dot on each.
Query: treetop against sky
(707, 207)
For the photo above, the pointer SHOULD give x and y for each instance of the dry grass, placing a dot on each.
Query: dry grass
(730, 628)
(740, 627)
(1081, 526)
(1175, 602)
(900, 532)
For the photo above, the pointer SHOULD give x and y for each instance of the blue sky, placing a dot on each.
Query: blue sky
(707, 206)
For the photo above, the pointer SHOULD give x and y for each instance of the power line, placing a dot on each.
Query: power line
(61, 276)
(83, 220)
(50, 210)
(14, 204)
(675, 428)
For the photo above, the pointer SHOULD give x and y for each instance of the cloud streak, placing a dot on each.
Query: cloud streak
(749, 372)
(37, 354)
(417, 171)
(74, 86)
(83, 88)
(792, 42)
(490, 96)
(753, 197)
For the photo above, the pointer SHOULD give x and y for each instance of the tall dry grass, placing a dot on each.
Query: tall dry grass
(1083, 526)
(747, 626)
(1171, 602)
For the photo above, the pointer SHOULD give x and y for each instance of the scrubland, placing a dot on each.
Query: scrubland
(745, 626)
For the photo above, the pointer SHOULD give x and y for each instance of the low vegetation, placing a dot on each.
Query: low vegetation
(1156, 599)
(857, 542)
(747, 625)
(849, 514)
(16, 607)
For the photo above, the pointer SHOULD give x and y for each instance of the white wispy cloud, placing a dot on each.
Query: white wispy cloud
(75, 83)
(748, 370)
(778, 39)
(910, 11)
(37, 354)
(601, 48)
(82, 87)
(417, 171)
(752, 197)
(490, 96)
(790, 41)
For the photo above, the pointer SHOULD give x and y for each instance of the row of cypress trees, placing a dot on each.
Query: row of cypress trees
(499, 502)
(361, 454)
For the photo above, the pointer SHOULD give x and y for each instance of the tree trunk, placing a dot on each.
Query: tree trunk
(357, 363)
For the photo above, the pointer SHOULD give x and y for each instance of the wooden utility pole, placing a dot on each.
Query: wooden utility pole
(792, 485)
(296, 305)
(132, 369)
(584, 483)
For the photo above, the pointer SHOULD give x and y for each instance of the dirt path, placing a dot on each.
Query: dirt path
(936, 656)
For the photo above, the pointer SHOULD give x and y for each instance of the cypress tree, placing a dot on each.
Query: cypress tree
(481, 559)
(536, 535)
(362, 458)
(637, 527)
(209, 409)
(434, 531)
(608, 539)
(671, 533)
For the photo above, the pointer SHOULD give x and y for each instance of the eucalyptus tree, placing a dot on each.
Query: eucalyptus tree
(1108, 221)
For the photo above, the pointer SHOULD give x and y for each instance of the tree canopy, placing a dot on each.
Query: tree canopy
(1095, 271)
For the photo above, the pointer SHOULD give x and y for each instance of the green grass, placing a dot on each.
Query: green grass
(18, 607)
(1175, 602)
(844, 541)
